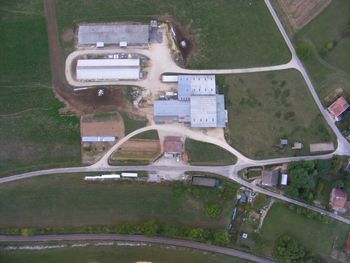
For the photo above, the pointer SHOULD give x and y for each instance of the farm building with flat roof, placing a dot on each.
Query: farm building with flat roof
(205, 181)
(197, 104)
(108, 69)
(193, 85)
(91, 34)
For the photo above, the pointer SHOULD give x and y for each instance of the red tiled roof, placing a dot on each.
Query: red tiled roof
(348, 244)
(339, 198)
(173, 144)
(338, 107)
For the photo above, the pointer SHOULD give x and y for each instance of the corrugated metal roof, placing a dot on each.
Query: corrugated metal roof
(132, 62)
(203, 111)
(171, 108)
(195, 85)
(113, 34)
(108, 69)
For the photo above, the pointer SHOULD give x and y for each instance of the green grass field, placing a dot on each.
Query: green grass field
(201, 153)
(227, 34)
(120, 254)
(33, 134)
(332, 70)
(314, 235)
(132, 123)
(265, 107)
(66, 200)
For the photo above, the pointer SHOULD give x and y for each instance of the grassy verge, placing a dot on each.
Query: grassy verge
(132, 123)
(148, 135)
(201, 153)
(265, 107)
(316, 236)
(33, 134)
(40, 202)
(124, 254)
(218, 34)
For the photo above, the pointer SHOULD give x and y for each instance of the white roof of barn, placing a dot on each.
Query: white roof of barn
(108, 69)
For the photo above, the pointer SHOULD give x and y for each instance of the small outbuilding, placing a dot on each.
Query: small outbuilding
(205, 181)
(284, 179)
(269, 178)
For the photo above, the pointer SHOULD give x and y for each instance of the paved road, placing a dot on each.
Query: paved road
(138, 238)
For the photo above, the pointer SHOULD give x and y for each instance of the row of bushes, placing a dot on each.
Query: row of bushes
(148, 228)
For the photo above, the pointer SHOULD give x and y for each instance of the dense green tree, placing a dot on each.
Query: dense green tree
(288, 250)
(221, 237)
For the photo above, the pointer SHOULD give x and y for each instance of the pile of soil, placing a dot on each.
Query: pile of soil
(182, 35)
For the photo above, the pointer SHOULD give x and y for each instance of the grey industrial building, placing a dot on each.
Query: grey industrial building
(91, 34)
(197, 104)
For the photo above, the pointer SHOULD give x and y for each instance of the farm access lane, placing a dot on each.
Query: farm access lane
(138, 238)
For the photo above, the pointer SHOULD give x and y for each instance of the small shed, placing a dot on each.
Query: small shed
(205, 181)
(100, 44)
(123, 44)
(284, 179)
(284, 142)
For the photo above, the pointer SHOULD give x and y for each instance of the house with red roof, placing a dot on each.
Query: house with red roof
(347, 249)
(173, 146)
(339, 201)
(338, 108)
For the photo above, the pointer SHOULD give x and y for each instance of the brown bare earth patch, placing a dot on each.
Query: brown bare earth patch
(299, 13)
(137, 151)
(110, 124)
(102, 125)
(68, 35)
(182, 34)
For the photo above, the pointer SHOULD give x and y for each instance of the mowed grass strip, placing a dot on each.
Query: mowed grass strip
(316, 236)
(329, 71)
(266, 107)
(67, 200)
(202, 153)
(124, 254)
(227, 34)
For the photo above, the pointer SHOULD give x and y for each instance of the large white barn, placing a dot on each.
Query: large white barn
(108, 69)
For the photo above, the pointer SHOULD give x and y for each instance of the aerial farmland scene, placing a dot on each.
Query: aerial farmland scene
(167, 131)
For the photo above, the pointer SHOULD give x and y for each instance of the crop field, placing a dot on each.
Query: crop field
(328, 39)
(68, 201)
(266, 107)
(137, 151)
(316, 236)
(124, 254)
(201, 153)
(33, 134)
(223, 37)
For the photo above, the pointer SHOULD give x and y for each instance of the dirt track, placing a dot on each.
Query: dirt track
(85, 101)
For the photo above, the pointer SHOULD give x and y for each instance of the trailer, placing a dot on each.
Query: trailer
(170, 78)
(102, 177)
(129, 175)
